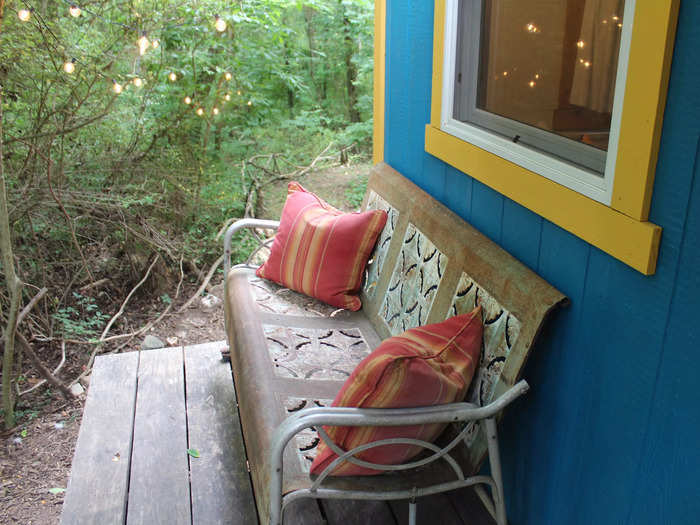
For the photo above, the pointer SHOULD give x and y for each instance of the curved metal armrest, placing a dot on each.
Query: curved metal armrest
(354, 417)
(239, 225)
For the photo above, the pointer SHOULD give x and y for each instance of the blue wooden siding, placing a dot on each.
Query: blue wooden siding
(610, 432)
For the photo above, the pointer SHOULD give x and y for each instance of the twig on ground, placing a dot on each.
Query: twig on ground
(204, 284)
(55, 371)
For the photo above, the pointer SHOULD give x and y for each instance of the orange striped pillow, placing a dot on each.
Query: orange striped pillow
(424, 366)
(320, 251)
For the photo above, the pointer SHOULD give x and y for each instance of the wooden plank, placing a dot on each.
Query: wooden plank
(357, 512)
(469, 507)
(159, 490)
(220, 483)
(97, 491)
(430, 509)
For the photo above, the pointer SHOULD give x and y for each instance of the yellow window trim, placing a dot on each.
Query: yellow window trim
(621, 229)
(379, 80)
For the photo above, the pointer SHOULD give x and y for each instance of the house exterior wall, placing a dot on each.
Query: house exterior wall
(610, 432)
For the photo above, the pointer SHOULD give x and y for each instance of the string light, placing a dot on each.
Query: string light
(172, 76)
(619, 25)
(227, 97)
(24, 15)
(188, 100)
(155, 43)
(200, 111)
(75, 11)
(615, 17)
(532, 28)
(250, 102)
(138, 82)
(69, 66)
(587, 63)
(228, 76)
(117, 87)
(531, 83)
(537, 76)
(580, 44)
(215, 111)
(219, 24)
(238, 92)
(505, 73)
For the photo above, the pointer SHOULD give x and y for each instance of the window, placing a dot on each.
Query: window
(558, 105)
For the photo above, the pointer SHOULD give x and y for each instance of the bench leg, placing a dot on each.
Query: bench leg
(412, 512)
(495, 463)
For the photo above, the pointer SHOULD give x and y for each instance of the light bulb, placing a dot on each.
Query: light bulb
(188, 100)
(227, 97)
(69, 66)
(238, 92)
(200, 111)
(505, 73)
(581, 44)
(74, 11)
(116, 87)
(172, 76)
(219, 24)
(250, 102)
(587, 63)
(155, 43)
(215, 111)
(228, 76)
(619, 25)
(532, 83)
(537, 76)
(143, 43)
(615, 17)
(138, 82)
(24, 15)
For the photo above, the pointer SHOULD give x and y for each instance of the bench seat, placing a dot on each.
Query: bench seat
(290, 352)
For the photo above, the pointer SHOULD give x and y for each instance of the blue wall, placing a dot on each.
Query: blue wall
(610, 432)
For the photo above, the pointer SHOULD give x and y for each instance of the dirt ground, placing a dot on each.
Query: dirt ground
(35, 456)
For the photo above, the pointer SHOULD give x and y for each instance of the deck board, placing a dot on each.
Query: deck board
(221, 487)
(97, 491)
(159, 489)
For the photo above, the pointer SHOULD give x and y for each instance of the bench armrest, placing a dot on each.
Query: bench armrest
(240, 225)
(348, 416)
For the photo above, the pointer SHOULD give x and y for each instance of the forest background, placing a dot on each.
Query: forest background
(132, 134)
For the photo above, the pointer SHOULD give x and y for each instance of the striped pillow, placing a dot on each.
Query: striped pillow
(320, 251)
(424, 366)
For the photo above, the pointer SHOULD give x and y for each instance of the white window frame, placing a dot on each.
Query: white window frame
(575, 177)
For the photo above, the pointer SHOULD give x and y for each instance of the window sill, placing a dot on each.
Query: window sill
(635, 243)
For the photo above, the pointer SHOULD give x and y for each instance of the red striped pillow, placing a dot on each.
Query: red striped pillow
(425, 366)
(320, 251)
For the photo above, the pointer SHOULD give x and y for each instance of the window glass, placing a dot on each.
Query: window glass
(541, 72)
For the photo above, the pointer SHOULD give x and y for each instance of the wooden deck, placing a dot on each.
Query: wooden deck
(145, 410)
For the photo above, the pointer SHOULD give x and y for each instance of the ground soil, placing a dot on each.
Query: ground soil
(35, 456)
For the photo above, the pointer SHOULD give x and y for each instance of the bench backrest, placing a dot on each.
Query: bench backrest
(429, 264)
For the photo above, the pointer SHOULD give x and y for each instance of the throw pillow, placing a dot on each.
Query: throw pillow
(321, 251)
(424, 366)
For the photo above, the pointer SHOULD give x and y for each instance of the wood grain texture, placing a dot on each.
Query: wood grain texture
(357, 512)
(220, 483)
(159, 490)
(97, 491)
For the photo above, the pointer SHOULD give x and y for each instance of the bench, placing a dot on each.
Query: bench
(290, 354)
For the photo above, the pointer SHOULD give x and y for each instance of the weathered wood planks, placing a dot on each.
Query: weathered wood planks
(221, 488)
(97, 491)
(159, 489)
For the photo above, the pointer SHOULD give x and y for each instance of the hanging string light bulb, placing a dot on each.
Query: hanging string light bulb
(143, 43)
(250, 102)
(69, 66)
(138, 82)
(117, 87)
(227, 97)
(200, 111)
(75, 11)
(238, 92)
(215, 111)
(219, 24)
(228, 76)
(188, 100)
(172, 76)
(24, 15)
(155, 43)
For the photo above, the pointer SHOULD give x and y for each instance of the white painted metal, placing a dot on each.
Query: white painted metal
(346, 416)
(240, 225)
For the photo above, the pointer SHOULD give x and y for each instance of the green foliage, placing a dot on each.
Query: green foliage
(82, 320)
(356, 192)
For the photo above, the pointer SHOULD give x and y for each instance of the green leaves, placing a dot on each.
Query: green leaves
(193, 452)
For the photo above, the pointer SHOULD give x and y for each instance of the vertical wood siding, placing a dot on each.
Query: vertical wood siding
(610, 430)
